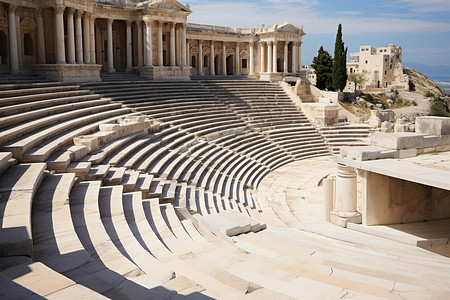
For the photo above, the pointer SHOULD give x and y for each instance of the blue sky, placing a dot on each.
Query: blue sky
(421, 27)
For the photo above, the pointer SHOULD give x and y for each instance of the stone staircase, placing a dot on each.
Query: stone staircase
(6, 78)
(151, 193)
(345, 135)
(121, 77)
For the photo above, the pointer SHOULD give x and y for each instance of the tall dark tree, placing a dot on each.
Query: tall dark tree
(339, 73)
(323, 64)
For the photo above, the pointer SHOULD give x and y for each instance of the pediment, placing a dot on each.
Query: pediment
(169, 5)
(287, 27)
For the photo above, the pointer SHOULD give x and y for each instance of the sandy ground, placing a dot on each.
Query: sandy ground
(423, 104)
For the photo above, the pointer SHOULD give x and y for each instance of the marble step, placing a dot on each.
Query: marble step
(55, 242)
(97, 172)
(18, 186)
(26, 283)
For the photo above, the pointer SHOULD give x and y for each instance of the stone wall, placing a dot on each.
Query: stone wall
(400, 201)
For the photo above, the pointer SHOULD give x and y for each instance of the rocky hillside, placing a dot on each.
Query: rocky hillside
(421, 83)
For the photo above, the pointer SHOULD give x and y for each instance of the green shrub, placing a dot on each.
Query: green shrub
(439, 109)
(429, 94)
(414, 103)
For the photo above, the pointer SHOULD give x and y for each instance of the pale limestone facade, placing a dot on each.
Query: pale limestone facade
(77, 39)
(382, 67)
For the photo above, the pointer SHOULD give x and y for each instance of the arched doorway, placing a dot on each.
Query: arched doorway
(3, 48)
(230, 60)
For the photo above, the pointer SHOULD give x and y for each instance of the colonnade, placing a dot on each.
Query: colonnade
(212, 56)
(80, 36)
(177, 51)
(75, 40)
(75, 43)
(269, 56)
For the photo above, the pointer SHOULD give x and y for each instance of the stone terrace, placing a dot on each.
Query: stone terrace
(144, 189)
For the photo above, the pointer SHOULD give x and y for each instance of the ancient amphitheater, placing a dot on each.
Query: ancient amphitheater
(209, 188)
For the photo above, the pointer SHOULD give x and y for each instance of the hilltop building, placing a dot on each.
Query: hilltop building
(382, 67)
(75, 40)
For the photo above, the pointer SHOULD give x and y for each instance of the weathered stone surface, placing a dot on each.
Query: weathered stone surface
(433, 125)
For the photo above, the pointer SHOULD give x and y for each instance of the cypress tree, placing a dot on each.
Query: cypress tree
(323, 64)
(339, 73)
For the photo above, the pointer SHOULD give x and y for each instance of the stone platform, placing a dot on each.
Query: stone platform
(433, 235)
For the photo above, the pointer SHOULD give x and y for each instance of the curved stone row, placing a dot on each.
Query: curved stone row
(138, 199)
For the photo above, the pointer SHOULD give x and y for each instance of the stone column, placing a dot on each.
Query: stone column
(286, 58)
(160, 44)
(13, 54)
(200, 58)
(252, 66)
(148, 43)
(270, 57)
(212, 60)
(78, 37)
(183, 46)
(188, 54)
(172, 45)
(19, 41)
(129, 48)
(41, 37)
(345, 201)
(110, 47)
(299, 58)
(70, 36)
(59, 26)
(86, 38)
(328, 188)
(92, 38)
(294, 57)
(275, 56)
(238, 60)
(263, 56)
(144, 41)
(224, 59)
(139, 44)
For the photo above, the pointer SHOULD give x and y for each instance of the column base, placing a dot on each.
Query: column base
(70, 73)
(274, 77)
(343, 218)
(169, 73)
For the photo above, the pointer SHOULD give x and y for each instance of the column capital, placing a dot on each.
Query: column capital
(110, 21)
(12, 8)
(173, 24)
(70, 10)
(78, 13)
(87, 15)
(39, 12)
(148, 23)
(59, 9)
(270, 43)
